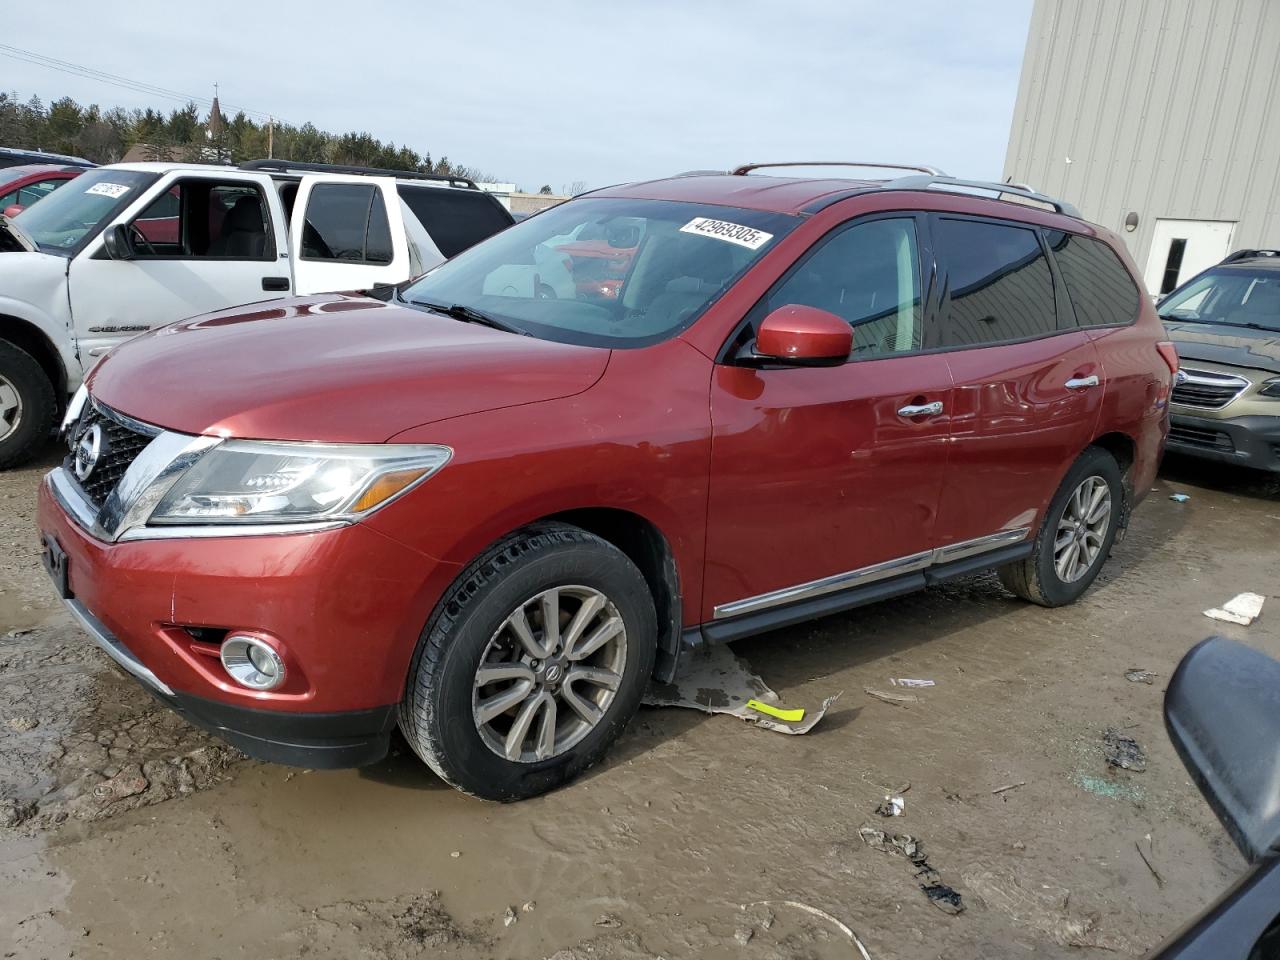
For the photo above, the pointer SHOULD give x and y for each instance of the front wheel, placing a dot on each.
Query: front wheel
(533, 664)
(1077, 534)
(28, 405)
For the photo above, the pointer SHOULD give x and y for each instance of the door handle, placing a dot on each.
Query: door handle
(1082, 383)
(275, 283)
(921, 410)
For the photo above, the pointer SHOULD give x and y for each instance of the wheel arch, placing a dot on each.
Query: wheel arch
(1125, 450)
(647, 547)
(28, 337)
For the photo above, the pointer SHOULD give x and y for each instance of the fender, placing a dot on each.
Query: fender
(35, 311)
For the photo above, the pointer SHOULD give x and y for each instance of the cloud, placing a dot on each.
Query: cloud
(571, 90)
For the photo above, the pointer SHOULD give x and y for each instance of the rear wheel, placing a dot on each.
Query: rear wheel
(532, 665)
(28, 405)
(1077, 534)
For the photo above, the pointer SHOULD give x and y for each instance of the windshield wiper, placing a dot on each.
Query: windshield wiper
(469, 315)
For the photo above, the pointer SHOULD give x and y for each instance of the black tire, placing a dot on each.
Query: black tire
(1036, 578)
(39, 405)
(436, 715)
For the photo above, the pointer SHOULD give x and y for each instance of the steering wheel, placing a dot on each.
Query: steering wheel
(137, 236)
(544, 291)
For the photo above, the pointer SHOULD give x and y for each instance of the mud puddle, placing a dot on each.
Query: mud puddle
(656, 852)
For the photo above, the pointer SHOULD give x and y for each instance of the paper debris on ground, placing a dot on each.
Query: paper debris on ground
(1179, 498)
(714, 680)
(1139, 676)
(908, 682)
(1041, 906)
(892, 807)
(1244, 608)
(897, 699)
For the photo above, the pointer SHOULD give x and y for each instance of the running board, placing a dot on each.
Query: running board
(843, 592)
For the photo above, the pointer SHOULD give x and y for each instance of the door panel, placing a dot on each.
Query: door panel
(113, 300)
(347, 233)
(813, 472)
(1024, 410)
(817, 471)
(1015, 428)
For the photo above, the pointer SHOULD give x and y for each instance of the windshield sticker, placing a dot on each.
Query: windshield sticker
(747, 237)
(113, 190)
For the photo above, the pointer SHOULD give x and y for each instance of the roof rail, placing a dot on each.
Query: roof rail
(1020, 190)
(292, 166)
(1250, 255)
(746, 168)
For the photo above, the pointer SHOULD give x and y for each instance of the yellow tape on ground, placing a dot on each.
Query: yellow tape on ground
(791, 716)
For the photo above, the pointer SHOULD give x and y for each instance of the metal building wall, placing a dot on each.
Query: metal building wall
(1166, 108)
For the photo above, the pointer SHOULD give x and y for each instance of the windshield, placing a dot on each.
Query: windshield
(1234, 297)
(605, 272)
(72, 214)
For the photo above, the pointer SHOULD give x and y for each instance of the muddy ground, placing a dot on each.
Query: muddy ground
(123, 832)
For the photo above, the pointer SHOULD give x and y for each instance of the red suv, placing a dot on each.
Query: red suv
(488, 508)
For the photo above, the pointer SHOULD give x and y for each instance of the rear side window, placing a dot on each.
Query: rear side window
(455, 218)
(347, 222)
(999, 280)
(1101, 290)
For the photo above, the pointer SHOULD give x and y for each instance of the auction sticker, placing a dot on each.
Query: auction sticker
(747, 237)
(113, 190)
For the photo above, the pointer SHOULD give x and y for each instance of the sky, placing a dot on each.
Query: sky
(571, 91)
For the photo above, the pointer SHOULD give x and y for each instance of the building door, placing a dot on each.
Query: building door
(1182, 248)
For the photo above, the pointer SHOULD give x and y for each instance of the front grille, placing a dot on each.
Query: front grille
(1202, 438)
(120, 446)
(1206, 389)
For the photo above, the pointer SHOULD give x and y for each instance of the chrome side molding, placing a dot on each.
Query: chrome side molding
(877, 571)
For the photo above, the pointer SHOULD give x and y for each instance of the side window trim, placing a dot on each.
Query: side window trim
(944, 303)
(925, 263)
(1064, 310)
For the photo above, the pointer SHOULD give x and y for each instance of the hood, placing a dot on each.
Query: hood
(12, 239)
(1234, 346)
(342, 369)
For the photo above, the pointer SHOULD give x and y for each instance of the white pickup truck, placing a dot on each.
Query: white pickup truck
(124, 248)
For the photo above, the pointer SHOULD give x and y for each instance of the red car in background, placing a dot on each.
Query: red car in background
(22, 186)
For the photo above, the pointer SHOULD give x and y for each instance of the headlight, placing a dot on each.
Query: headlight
(1271, 388)
(245, 481)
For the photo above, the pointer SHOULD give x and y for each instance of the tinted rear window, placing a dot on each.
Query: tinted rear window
(455, 218)
(1000, 284)
(1100, 288)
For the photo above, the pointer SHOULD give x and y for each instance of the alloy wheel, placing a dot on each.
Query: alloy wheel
(10, 408)
(549, 673)
(1082, 529)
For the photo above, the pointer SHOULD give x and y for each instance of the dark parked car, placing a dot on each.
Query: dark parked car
(12, 157)
(1225, 323)
(490, 506)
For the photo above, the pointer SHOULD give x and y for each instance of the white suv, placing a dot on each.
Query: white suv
(125, 248)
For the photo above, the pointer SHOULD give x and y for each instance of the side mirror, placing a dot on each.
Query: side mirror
(13, 209)
(117, 243)
(1222, 711)
(804, 336)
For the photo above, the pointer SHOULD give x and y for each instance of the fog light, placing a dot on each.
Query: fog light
(252, 662)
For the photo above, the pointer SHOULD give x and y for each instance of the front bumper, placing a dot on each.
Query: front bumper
(345, 608)
(1247, 441)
